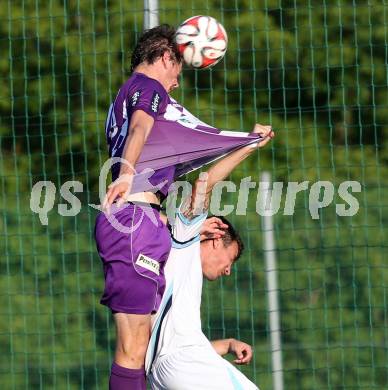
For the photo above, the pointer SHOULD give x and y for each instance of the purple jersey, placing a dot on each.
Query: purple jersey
(139, 92)
(178, 143)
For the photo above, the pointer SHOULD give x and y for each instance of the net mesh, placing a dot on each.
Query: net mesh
(315, 70)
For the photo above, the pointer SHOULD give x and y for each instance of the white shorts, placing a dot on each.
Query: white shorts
(193, 368)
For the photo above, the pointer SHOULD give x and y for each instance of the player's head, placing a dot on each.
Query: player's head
(157, 46)
(218, 255)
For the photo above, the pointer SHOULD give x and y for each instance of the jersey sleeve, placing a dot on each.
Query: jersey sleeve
(150, 97)
(185, 231)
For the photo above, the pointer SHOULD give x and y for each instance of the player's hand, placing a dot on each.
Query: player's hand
(243, 351)
(121, 187)
(265, 132)
(212, 228)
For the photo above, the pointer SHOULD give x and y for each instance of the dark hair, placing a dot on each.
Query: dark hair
(230, 236)
(153, 43)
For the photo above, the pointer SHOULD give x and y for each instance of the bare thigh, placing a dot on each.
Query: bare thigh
(132, 336)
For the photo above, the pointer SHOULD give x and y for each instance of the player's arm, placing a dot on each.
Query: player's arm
(203, 186)
(139, 130)
(241, 350)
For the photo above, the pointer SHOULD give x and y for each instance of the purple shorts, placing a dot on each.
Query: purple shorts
(134, 245)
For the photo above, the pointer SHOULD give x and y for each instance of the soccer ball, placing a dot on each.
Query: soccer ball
(202, 41)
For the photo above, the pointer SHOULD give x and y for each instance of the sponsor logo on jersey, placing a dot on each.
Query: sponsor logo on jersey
(155, 102)
(148, 263)
(135, 98)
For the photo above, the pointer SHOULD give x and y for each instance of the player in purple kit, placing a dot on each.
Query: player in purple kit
(134, 255)
(133, 263)
(156, 66)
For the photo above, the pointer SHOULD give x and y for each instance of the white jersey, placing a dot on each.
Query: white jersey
(180, 309)
(179, 355)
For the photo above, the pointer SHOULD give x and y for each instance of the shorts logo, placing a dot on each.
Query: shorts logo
(155, 102)
(135, 98)
(148, 263)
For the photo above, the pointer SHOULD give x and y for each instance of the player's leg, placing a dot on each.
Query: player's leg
(132, 335)
(132, 330)
(128, 293)
(134, 282)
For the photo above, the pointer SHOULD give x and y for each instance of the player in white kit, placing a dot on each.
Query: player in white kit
(179, 355)
(182, 357)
